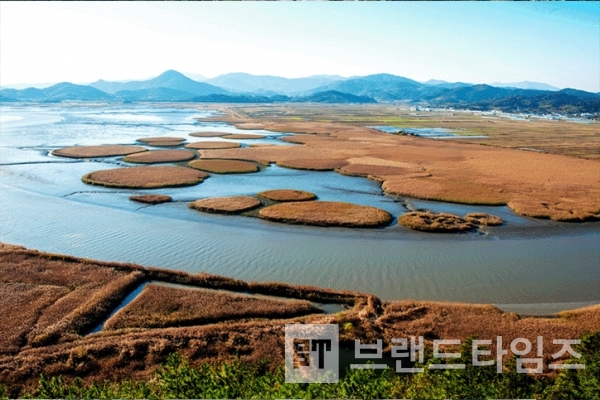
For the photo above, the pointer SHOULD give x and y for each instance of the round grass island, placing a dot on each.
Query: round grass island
(97, 151)
(226, 205)
(209, 145)
(168, 139)
(483, 219)
(160, 156)
(312, 164)
(224, 166)
(145, 177)
(244, 136)
(326, 213)
(283, 195)
(426, 221)
(151, 198)
(209, 134)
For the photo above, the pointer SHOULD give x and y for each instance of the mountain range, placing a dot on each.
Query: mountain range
(173, 86)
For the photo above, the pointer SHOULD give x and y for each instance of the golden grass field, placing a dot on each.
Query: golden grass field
(160, 156)
(162, 306)
(483, 219)
(51, 301)
(287, 195)
(145, 177)
(97, 151)
(212, 145)
(208, 134)
(151, 198)
(226, 205)
(427, 221)
(244, 136)
(557, 183)
(224, 166)
(169, 139)
(165, 144)
(326, 213)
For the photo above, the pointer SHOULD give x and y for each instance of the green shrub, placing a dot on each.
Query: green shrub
(177, 379)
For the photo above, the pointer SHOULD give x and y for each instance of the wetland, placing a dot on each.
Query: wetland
(524, 261)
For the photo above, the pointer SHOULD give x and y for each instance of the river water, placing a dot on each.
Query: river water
(531, 266)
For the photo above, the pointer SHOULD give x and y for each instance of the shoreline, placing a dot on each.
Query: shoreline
(53, 301)
(540, 309)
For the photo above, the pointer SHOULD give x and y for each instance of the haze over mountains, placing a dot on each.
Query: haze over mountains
(173, 86)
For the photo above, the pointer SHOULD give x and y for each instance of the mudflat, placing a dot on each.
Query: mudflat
(535, 184)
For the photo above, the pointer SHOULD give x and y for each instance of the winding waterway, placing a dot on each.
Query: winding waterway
(46, 206)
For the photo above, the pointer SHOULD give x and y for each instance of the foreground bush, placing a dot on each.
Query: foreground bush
(177, 379)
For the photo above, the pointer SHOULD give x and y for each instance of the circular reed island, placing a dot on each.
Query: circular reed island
(151, 198)
(212, 145)
(165, 144)
(326, 213)
(483, 219)
(160, 156)
(167, 139)
(145, 177)
(244, 136)
(287, 195)
(224, 166)
(97, 151)
(209, 134)
(426, 221)
(313, 164)
(226, 205)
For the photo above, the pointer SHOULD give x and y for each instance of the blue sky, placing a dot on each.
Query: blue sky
(554, 43)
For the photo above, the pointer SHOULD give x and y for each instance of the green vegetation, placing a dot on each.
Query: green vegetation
(177, 379)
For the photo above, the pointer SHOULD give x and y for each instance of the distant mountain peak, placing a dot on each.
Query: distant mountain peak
(529, 85)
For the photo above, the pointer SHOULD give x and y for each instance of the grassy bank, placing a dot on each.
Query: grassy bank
(51, 301)
(177, 379)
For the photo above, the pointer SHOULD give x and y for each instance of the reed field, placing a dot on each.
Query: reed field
(212, 145)
(226, 205)
(287, 195)
(53, 300)
(163, 306)
(97, 151)
(548, 184)
(312, 164)
(145, 177)
(224, 166)
(330, 213)
(208, 134)
(244, 136)
(151, 198)
(428, 221)
(160, 156)
(166, 144)
(168, 139)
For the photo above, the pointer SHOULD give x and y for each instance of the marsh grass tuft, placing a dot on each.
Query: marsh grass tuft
(427, 221)
(226, 205)
(212, 145)
(287, 195)
(97, 151)
(224, 166)
(162, 306)
(325, 213)
(145, 177)
(151, 198)
(160, 156)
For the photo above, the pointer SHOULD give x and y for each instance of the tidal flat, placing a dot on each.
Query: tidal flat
(526, 260)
